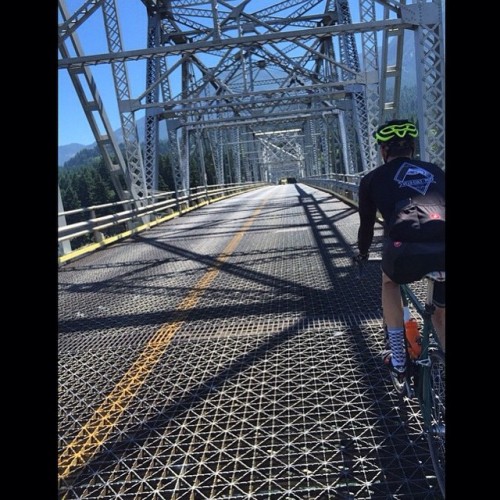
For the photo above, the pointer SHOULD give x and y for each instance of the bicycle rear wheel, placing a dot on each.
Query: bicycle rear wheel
(436, 431)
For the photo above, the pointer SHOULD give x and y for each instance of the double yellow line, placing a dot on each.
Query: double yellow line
(97, 429)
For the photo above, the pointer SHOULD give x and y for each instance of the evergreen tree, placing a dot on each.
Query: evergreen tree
(83, 186)
(165, 174)
(70, 198)
(98, 191)
(84, 157)
(64, 181)
(112, 195)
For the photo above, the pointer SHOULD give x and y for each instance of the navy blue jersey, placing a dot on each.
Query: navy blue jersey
(383, 187)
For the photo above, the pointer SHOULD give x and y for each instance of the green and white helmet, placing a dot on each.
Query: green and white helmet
(396, 131)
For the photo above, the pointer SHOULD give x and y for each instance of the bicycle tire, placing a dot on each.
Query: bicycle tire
(436, 435)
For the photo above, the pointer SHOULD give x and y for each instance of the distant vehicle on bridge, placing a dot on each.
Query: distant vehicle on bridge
(287, 180)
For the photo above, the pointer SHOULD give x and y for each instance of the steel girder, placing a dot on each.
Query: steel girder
(153, 69)
(325, 147)
(106, 140)
(346, 151)
(201, 157)
(336, 161)
(309, 150)
(182, 177)
(138, 187)
(282, 152)
(64, 246)
(315, 132)
(391, 71)
(236, 153)
(71, 23)
(231, 43)
(219, 148)
(246, 156)
(243, 65)
(127, 175)
(358, 120)
(372, 97)
(178, 153)
(429, 48)
(216, 148)
(425, 18)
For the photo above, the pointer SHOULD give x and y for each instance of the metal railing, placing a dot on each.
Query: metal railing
(134, 217)
(344, 185)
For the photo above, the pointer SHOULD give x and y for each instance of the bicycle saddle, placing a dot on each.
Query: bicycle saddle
(436, 275)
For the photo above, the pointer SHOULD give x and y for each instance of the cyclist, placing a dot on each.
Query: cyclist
(401, 177)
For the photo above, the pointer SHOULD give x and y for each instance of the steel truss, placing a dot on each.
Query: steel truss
(242, 70)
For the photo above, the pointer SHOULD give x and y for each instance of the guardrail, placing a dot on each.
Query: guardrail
(344, 185)
(137, 215)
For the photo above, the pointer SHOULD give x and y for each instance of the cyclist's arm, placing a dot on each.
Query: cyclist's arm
(367, 217)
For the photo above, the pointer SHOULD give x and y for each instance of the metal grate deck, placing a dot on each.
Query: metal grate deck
(232, 353)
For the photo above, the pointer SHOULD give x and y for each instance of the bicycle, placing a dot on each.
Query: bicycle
(425, 376)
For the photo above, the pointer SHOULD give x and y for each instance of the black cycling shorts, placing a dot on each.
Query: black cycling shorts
(407, 262)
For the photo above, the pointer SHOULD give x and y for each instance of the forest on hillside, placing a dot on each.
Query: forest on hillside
(84, 180)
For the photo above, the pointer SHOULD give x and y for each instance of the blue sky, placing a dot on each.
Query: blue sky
(72, 123)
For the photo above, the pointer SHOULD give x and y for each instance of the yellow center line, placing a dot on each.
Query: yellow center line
(97, 429)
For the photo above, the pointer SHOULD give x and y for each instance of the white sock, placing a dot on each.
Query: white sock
(397, 343)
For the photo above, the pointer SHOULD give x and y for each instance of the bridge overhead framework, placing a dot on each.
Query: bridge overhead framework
(254, 90)
(233, 353)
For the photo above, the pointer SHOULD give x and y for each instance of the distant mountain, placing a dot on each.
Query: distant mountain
(408, 68)
(65, 153)
(68, 151)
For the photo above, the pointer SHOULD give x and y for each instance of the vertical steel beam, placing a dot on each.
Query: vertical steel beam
(215, 140)
(429, 49)
(236, 149)
(133, 154)
(201, 157)
(92, 105)
(64, 246)
(371, 67)
(151, 126)
(309, 153)
(219, 149)
(346, 150)
(182, 178)
(173, 152)
(358, 120)
(325, 147)
(245, 157)
(391, 73)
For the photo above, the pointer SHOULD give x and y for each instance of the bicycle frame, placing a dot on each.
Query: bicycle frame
(429, 392)
(427, 336)
(428, 375)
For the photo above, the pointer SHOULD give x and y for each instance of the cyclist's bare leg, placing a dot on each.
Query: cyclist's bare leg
(438, 321)
(392, 304)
